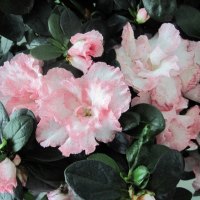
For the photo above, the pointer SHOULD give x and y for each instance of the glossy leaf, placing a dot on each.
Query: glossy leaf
(92, 179)
(160, 10)
(46, 52)
(187, 19)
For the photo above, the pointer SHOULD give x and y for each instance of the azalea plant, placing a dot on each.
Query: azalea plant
(99, 100)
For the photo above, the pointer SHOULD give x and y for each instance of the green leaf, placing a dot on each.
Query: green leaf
(2, 156)
(6, 196)
(91, 179)
(105, 159)
(70, 23)
(129, 120)
(4, 119)
(6, 44)
(162, 162)
(18, 131)
(11, 26)
(46, 52)
(160, 10)
(22, 112)
(54, 25)
(149, 115)
(187, 18)
(19, 8)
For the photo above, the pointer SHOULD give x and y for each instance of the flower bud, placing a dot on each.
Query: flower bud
(141, 176)
(142, 16)
(146, 197)
(17, 160)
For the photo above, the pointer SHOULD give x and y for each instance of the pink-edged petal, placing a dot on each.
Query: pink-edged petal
(8, 179)
(128, 40)
(190, 77)
(50, 133)
(59, 105)
(194, 129)
(109, 126)
(81, 63)
(194, 94)
(167, 95)
(54, 80)
(168, 38)
(156, 56)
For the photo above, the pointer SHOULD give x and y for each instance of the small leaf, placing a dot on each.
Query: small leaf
(70, 23)
(160, 10)
(105, 159)
(11, 26)
(46, 52)
(4, 119)
(18, 131)
(187, 19)
(54, 26)
(6, 44)
(91, 179)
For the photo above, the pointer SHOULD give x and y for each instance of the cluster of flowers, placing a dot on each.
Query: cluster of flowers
(165, 72)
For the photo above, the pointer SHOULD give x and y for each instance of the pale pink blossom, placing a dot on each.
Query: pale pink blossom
(84, 47)
(82, 111)
(8, 176)
(142, 16)
(144, 62)
(194, 94)
(20, 82)
(165, 96)
(180, 129)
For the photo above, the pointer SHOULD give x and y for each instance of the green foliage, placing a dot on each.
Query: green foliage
(92, 179)
(160, 10)
(187, 19)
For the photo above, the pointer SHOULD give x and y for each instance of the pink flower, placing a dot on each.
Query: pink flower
(142, 16)
(83, 111)
(84, 47)
(144, 62)
(180, 129)
(20, 82)
(8, 176)
(166, 96)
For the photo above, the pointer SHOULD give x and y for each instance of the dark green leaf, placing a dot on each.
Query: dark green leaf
(37, 19)
(18, 131)
(92, 179)
(46, 52)
(11, 26)
(162, 162)
(105, 5)
(4, 119)
(5, 58)
(120, 143)
(160, 10)
(105, 159)
(70, 23)
(54, 26)
(187, 19)
(119, 4)
(149, 115)
(183, 194)
(129, 120)
(19, 8)
(2, 156)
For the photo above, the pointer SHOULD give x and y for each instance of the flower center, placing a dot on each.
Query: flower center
(84, 112)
